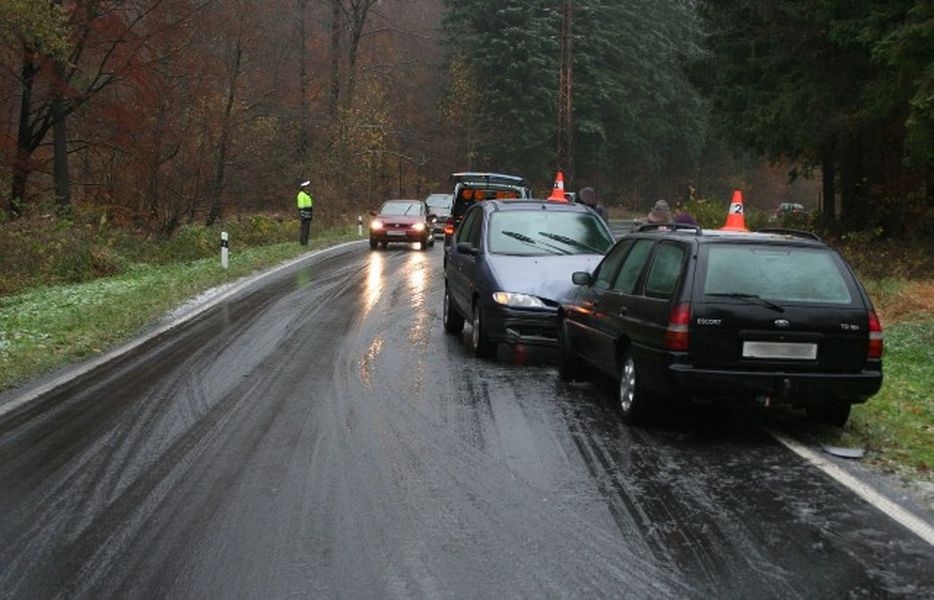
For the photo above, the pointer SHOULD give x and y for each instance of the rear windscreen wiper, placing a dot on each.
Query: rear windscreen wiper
(742, 296)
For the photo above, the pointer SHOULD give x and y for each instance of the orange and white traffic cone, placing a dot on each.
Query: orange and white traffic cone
(557, 190)
(736, 216)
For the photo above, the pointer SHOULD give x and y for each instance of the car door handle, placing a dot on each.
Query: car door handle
(623, 311)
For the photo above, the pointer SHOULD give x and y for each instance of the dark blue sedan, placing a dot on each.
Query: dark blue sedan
(509, 266)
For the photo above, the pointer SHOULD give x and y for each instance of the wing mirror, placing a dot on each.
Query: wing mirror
(581, 278)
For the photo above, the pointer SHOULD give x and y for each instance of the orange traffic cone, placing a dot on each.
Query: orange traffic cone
(736, 216)
(557, 191)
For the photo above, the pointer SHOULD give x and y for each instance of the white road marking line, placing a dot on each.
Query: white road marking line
(912, 522)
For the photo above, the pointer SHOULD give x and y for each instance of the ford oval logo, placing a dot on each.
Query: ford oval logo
(782, 323)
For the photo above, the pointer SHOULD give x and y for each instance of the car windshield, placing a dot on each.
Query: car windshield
(440, 205)
(401, 208)
(775, 274)
(532, 233)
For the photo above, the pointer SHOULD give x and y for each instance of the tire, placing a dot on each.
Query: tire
(373, 244)
(834, 413)
(479, 341)
(569, 363)
(423, 245)
(631, 399)
(453, 320)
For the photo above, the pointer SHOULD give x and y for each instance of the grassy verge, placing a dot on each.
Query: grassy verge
(896, 426)
(46, 327)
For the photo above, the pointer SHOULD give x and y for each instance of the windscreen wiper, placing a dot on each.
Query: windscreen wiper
(743, 296)
(531, 242)
(569, 241)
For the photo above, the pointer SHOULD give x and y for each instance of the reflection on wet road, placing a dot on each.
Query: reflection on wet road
(319, 435)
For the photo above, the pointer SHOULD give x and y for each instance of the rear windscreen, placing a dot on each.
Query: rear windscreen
(776, 273)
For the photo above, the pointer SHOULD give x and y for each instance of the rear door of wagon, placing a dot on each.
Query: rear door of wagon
(769, 306)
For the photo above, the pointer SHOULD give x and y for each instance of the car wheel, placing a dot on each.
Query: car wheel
(835, 413)
(453, 320)
(631, 397)
(423, 245)
(569, 364)
(373, 244)
(480, 343)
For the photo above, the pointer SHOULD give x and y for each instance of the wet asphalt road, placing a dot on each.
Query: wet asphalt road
(319, 436)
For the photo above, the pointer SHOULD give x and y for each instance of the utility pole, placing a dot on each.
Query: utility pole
(565, 95)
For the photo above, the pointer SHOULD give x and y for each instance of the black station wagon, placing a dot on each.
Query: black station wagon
(774, 316)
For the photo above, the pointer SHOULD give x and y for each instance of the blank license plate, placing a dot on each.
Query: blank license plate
(395, 232)
(782, 350)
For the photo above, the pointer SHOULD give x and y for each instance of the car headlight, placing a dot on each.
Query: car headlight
(517, 300)
(376, 225)
(419, 227)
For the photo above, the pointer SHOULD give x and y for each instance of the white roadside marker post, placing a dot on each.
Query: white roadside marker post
(359, 225)
(224, 249)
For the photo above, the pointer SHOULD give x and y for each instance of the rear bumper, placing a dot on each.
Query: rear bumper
(794, 388)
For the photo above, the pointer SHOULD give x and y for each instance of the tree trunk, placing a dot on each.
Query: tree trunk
(60, 145)
(304, 137)
(60, 139)
(853, 191)
(217, 188)
(24, 141)
(336, 28)
(828, 209)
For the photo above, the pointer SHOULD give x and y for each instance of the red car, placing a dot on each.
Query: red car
(403, 221)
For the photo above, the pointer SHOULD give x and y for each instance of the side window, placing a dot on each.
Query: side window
(606, 270)
(629, 273)
(665, 271)
(464, 232)
(475, 235)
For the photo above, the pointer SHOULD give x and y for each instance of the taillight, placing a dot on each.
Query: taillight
(676, 336)
(449, 227)
(874, 351)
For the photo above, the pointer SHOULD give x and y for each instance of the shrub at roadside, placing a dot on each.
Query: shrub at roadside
(45, 252)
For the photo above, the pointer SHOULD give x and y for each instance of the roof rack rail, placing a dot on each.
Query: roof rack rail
(696, 229)
(794, 232)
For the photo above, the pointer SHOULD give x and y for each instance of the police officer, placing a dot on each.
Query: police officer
(305, 211)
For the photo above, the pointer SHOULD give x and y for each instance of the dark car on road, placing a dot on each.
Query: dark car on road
(471, 187)
(776, 317)
(509, 265)
(404, 221)
(440, 206)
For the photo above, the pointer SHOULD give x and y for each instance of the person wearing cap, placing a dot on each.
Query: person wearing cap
(660, 213)
(305, 211)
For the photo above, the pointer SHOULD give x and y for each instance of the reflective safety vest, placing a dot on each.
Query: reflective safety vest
(304, 200)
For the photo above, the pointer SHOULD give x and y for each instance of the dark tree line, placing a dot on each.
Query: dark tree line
(845, 87)
(165, 112)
